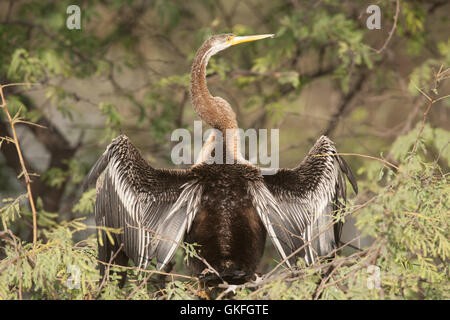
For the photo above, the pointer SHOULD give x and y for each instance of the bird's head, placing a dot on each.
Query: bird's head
(215, 111)
(222, 41)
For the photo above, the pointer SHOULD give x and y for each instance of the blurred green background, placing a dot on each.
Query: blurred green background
(127, 71)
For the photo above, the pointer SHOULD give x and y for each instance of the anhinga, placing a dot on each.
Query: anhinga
(227, 209)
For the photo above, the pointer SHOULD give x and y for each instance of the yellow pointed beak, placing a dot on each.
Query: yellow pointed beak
(237, 40)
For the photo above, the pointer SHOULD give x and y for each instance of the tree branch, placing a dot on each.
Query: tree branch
(23, 168)
(343, 105)
(55, 143)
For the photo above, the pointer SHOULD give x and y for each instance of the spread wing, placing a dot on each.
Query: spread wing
(307, 198)
(152, 207)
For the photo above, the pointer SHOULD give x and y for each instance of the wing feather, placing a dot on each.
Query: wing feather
(278, 228)
(143, 202)
(308, 196)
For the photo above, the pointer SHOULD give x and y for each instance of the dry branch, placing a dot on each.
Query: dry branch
(394, 26)
(24, 173)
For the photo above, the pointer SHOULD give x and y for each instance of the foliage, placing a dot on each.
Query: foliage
(408, 217)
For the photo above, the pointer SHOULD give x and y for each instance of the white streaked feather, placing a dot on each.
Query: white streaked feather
(174, 246)
(130, 203)
(304, 209)
(133, 208)
(262, 199)
(188, 203)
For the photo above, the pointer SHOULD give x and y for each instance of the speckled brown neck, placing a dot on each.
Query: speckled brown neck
(213, 110)
(201, 98)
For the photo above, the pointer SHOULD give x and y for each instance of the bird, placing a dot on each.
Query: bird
(226, 209)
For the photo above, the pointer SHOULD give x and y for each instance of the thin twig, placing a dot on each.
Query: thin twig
(22, 162)
(425, 115)
(108, 266)
(177, 275)
(358, 155)
(144, 282)
(19, 264)
(317, 235)
(394, 26)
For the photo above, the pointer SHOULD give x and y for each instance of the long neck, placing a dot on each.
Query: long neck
(201, 98)
(214, 111)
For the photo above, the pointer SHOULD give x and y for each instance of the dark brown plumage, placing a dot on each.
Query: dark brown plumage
(227, 227)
